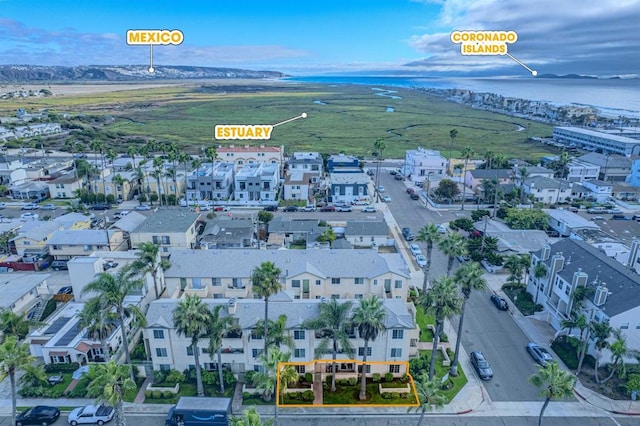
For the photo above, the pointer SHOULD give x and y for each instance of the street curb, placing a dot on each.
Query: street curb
(625, 413)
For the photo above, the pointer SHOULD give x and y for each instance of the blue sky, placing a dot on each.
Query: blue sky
(327, 36)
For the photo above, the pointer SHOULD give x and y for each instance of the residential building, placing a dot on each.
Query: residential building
(30, 190)
(531, 171)
(610, 246)
(37, 130)
(512, 241)
(625, 192)
(23, 292)
(579, 170)
(633, 178)
(601, 191)
(12, 177)
(64, 245)
(296, 231)
(307, 162)
(299, 186)
(211, 182)
(306, 274)
(349, 187)
(228, 233)
(168, 228)
(127, 225)
(615, 290)
(473, 179)
(421, 162)
(65, 186)
(613, 168)
(251, 154)
(257, 182)
(548, 191)
(336, 163)
(592, 139)
(368, 233)
(566, 222)
(32, 237)
(241, 349)
(74, 221)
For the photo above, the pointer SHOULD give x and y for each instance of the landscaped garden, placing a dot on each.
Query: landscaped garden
(348, 391)
(523, 300)
(451, 386)
(186, 385)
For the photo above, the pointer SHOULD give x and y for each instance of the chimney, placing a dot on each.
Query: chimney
(579, 279)
(232, 306)
(633, 253)
(546, 251)
(600, 298)
(557, 262)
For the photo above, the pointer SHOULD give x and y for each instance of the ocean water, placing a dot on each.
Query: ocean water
(613, 97)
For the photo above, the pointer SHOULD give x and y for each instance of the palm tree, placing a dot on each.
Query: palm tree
(429, 394)
(514, 265)
(266, 282)
(266, 380)
(14, 357)
(191, 319)
(333, 325)
(288, 376)
(13, 324)
(98, 147)
(131, 152)
(108, 384)
(379, 147)
(469, 277)
(158, 172)
(601, 333)
(540, 271)
(428, 234)
(524, 174)
(467, 154)
(218, 328)
(211, 154)
(278, 334)
(117, 181)
(34, 376)
(100, 320)
(251, 418)
(619, 352)
(555, 383)
(452, 245)
(196, 163)
(369, 318)
(148, 261)
(453, 133)
(185, 159)
(114, 289)
(442, 302)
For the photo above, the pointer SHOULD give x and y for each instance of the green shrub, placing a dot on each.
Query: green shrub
(167, 394)
(148, 394)
(404, 395)
(246, 395)
(157, 394)
(405, 378)
(376, 377)
(48, 309)
(633, 383)
(388, 377)
(343, 382)
(352, 381)
(174, 377)
(248, 376)
(387, 395)
(159, 376)
(62, 368)
(308, 377)
(308, 395)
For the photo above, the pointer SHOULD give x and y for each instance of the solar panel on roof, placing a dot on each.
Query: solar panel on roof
(68, 336)
(57, 325)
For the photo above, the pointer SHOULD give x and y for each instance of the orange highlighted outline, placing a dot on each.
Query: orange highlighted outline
(330, 361)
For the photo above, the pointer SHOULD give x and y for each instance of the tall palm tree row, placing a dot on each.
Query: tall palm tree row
(554, 382)
(108, 384)
(267, 379)
(278, 335)
(369, 318)
(333, 325)
(14, 356)
(429, 394)
(430, 235)
(452, 245)
(218, 327)
(191, 318)
(469, 277)
(114, 288)
(211, 154)
(442, 302)
(265, 281)
(601, 333)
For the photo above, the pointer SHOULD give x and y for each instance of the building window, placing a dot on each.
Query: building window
(166, 240)
(335, 280)
(196, 283)
(299, 353)
(394, 368)
(165, 367)
(155, 239)
(624, 326)
(158, 334)
(361, 351)
(295, 283)
(161, 352)
(375, 282)
(190, 350)
(398, 283)
(300, 369)
(335, 296)
(397, 334)
(358, 296)
(256, 352)
(216, 282)
(298, 334)
(359, 281)
(396, 352)
(318, 282)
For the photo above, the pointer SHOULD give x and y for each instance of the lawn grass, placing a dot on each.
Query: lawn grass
(352, 117)
(257, 400)
(457, 383)
(190, 389)
(423, 321)
(349, 395)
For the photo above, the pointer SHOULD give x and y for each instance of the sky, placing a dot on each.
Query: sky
(591, 37)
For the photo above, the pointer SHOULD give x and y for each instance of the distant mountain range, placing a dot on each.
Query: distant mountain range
(578, 76)
(37, 73)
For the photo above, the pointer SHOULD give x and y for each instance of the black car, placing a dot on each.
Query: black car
(291, 209)
(66, 290)
(271, 209)
(38, 415)
(414, 196)
(59, 265)
(499, 302)
(482, 366)
(407, 234)
(101, 206)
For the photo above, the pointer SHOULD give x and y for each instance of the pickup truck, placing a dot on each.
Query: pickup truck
(91, 414)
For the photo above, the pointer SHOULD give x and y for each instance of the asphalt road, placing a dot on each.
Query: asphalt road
(390, 420)
(493, 332)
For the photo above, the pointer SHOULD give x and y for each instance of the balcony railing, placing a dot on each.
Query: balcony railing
(232, 350)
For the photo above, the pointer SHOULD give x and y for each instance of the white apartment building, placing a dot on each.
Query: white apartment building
(581, 170)
(306, 274)
(592, 139)
(250, 154)
(421, 162)
(257, 182)
(306, 162)
(242, 348)
(548, 191)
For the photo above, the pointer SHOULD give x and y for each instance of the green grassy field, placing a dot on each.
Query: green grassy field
(341, 118)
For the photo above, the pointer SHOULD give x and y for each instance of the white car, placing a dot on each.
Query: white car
(421, 261)
(441, 229)
(29, 216)
(415, 249)
(120, 214)
(380, 188)
(30, 206)
(143, 207)
(91, 414)
(386, 199)
(368, 209)
(308, 209)
(48, 207)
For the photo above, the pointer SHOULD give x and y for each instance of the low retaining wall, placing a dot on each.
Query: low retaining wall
(405, 389)
(174, 390)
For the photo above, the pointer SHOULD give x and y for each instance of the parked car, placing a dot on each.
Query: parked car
(221, 209)
(414, 196)
(343, 208)
(271, 209)
(308, 209)
(48, 207)
(463, 259)
(620, 217)
(407, 234)
(410, 191)
(2, 205)
(421, 260)
(328, 209)
(98, 414)
(380, 188)
(398, 176)
(441, 229)
(539, 354)
(415, 249)
(29, 216)
(143, 207)
(368, 209)
(597, 218)
(30, 206)
(482, 366)
(101, 206)
(59, 265)
(499, 302)
(386, 199)
(291, 209)
(38, 415)
(120, 214)
(66, 289)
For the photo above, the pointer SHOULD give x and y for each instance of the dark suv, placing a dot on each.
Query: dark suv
(38, 415)
(407, 234)
(271, 208)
